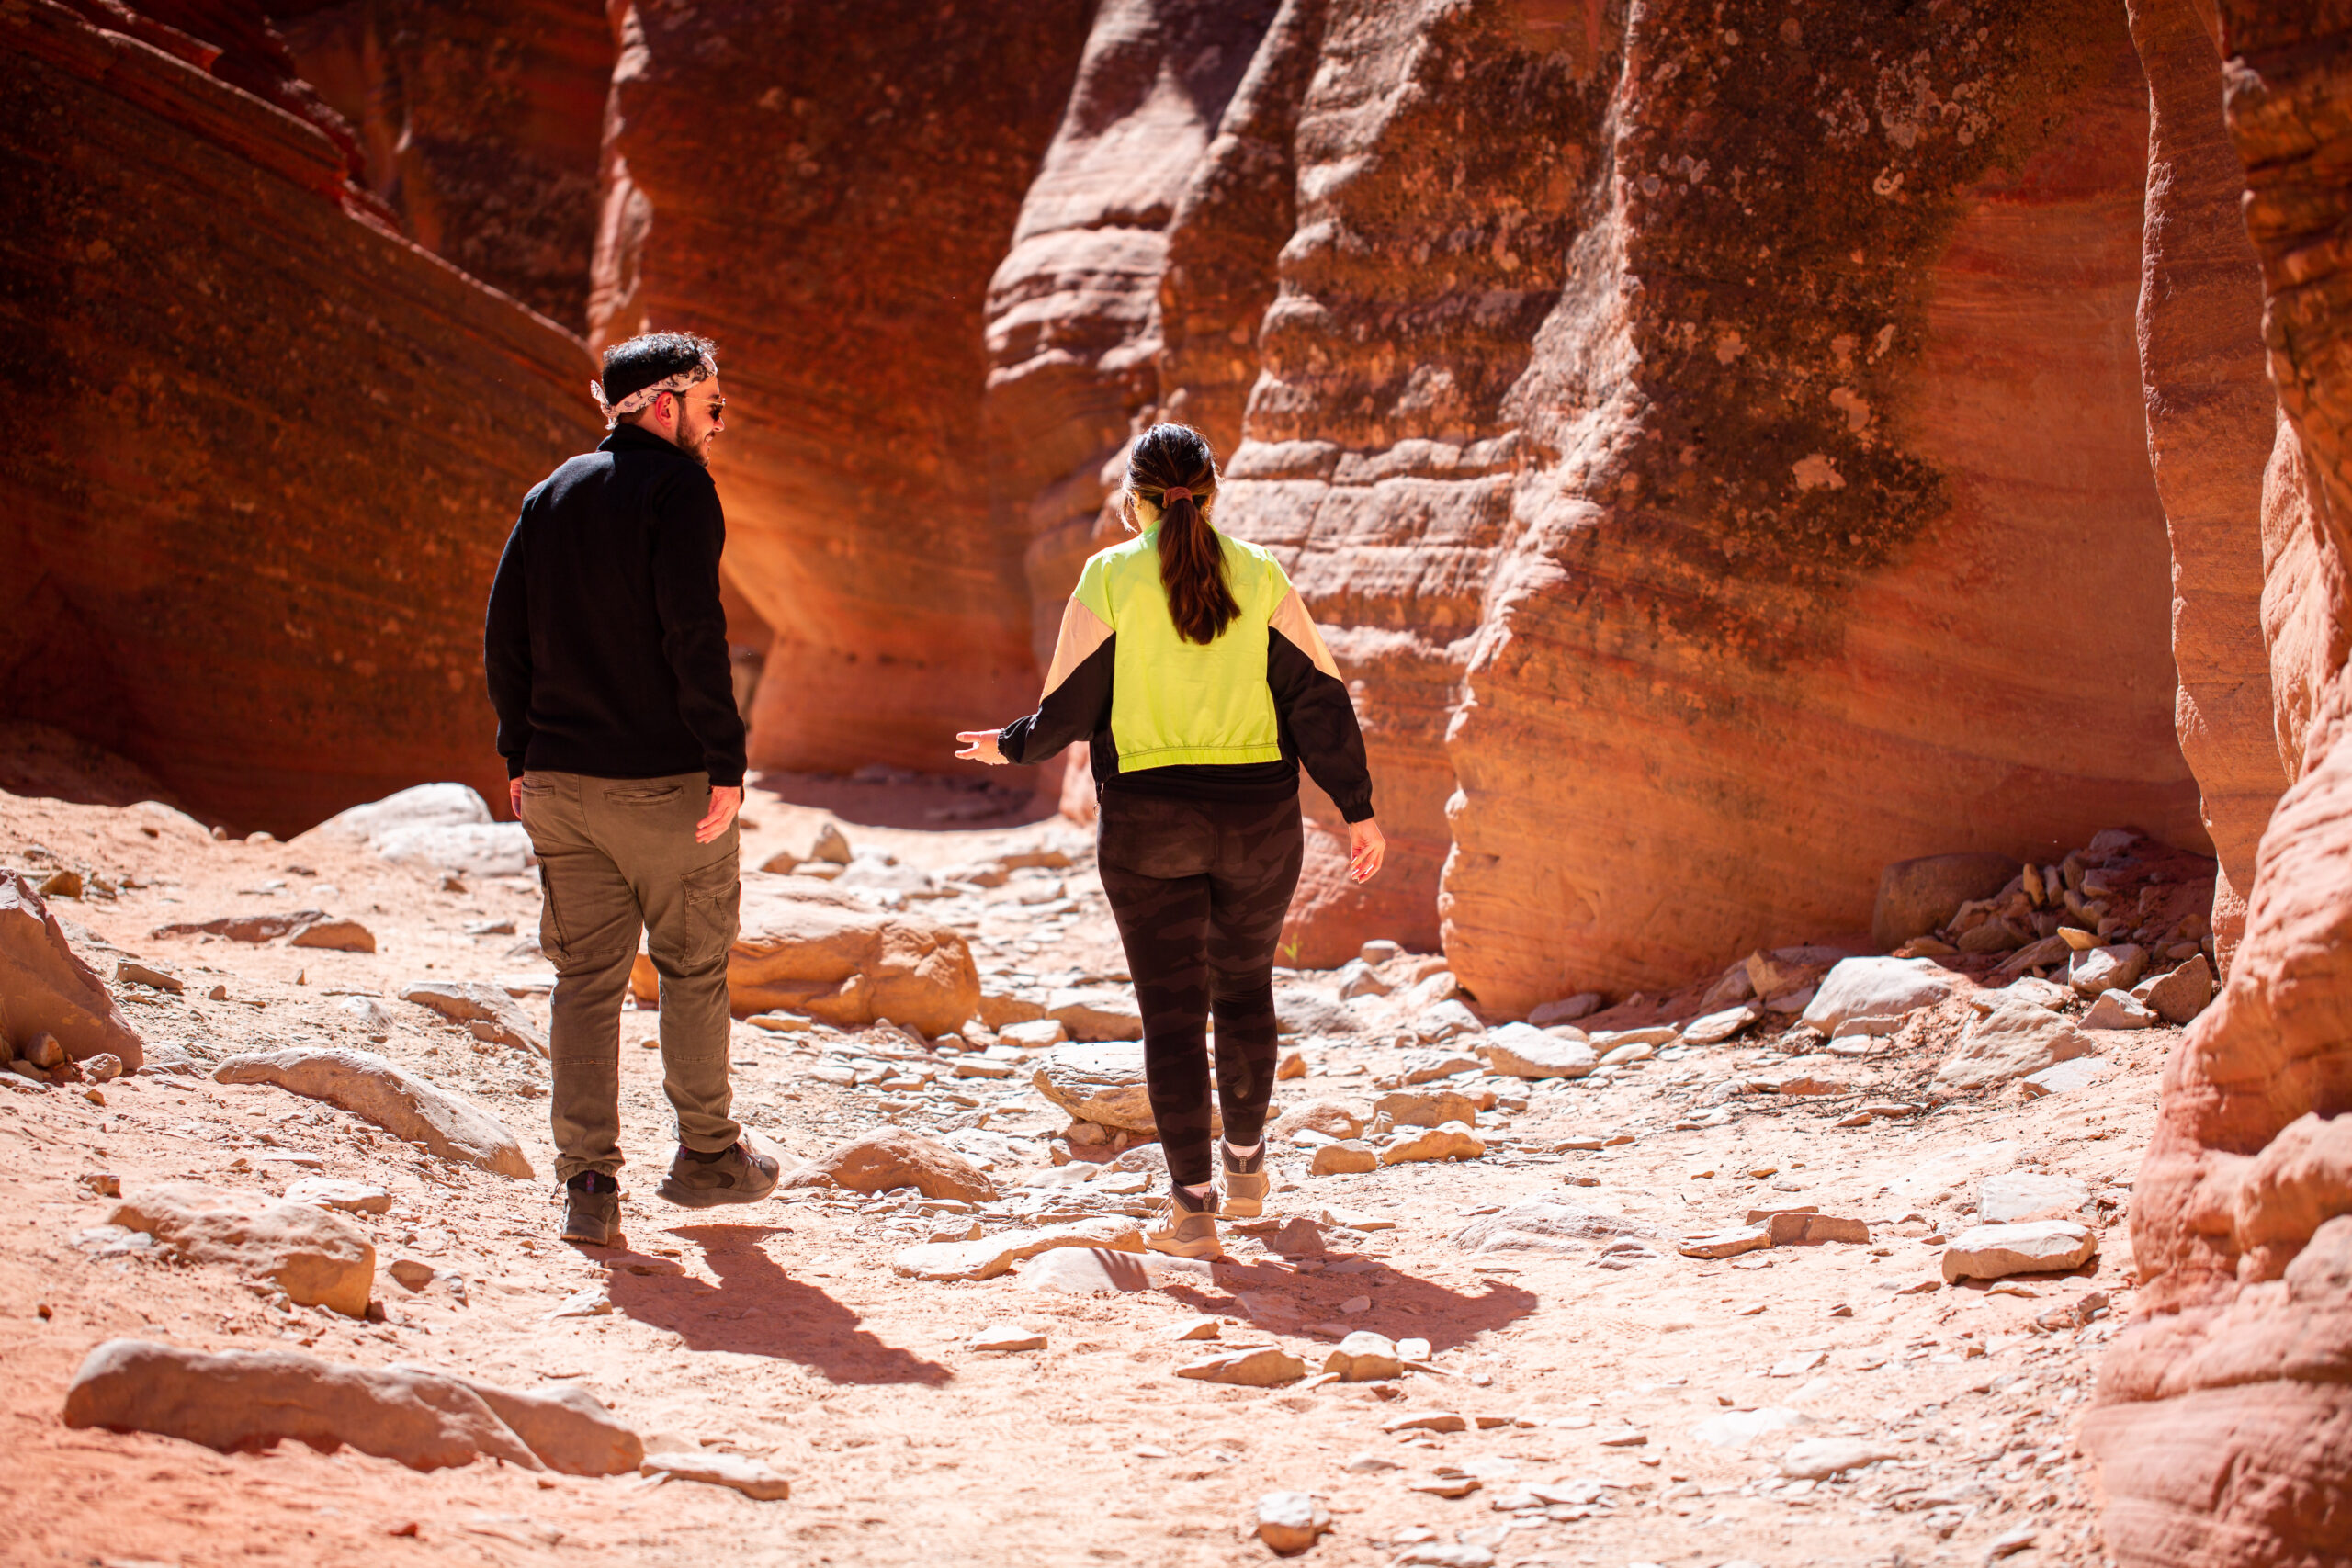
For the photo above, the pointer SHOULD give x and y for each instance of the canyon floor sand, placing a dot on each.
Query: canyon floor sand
(1601, 1370)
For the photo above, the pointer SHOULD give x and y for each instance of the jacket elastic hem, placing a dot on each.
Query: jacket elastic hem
(1181, 756)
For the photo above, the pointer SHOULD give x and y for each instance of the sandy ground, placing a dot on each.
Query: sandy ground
(780, 1331)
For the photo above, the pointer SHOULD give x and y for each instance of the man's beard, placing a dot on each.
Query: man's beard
(699, 450)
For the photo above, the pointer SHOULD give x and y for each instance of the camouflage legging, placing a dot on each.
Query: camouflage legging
(1200, 889)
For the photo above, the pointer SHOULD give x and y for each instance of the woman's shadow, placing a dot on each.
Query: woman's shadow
(757, 1309)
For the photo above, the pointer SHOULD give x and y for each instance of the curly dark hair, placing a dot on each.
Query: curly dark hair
(635, 364)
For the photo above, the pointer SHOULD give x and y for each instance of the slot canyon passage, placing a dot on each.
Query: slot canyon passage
(1837, 521)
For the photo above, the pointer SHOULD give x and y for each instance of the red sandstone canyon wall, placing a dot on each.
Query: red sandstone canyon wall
(2212, 423)
(826, 189)
(482, 126)
(2225, 1411)
(249, 535)
(1840, 399)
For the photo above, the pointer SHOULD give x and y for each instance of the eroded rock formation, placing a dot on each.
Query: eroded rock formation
(249, 535)
(482, 126)
(2226, 1408)
(827, 188)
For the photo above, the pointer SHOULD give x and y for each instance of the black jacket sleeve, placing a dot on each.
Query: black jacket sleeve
(1321, 719)
(507, 645)
(1074, 710)
(689, 533)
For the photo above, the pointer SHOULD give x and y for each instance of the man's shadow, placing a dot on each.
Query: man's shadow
(759, 1310)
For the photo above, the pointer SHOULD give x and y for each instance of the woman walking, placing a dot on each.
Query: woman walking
(1188, 662)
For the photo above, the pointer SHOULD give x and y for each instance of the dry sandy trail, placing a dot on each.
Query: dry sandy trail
(780, 1331)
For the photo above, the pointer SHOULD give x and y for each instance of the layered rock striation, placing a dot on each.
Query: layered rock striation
(826, 189)
(2224, 1408)
(250, 536)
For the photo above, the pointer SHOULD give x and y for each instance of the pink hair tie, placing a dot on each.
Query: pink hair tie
(1169, 497)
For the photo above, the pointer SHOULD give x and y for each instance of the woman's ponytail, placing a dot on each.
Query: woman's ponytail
(1172, 469)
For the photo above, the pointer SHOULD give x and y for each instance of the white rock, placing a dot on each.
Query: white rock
(350, 1197)
(2031, 988)
(1446, 1021)
(1717, 1026)
(1876, 987)
(1818, 1459)
(1356, 978)
(2013, 1040)
(2116, 1009)
(1736, 1429)
(1995, 1252)
(992, 1256)
(1521, 1050)
(748, 1476)
(2115, 968)
(1035, 1034)
(1007, 1336)
(1363, 1357)
(2013, 1195)
(590, 1301)
(2079, 1073)
(1289, 1521)
(380, 1090)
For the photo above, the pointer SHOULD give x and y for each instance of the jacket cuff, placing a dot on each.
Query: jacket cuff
(725, 778)
(514, 767)
(1355, 810)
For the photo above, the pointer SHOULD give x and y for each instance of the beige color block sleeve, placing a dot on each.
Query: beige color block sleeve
(1083, 631)
(1291, 620)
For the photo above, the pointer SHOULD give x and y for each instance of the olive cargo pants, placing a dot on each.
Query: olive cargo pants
(618, 855)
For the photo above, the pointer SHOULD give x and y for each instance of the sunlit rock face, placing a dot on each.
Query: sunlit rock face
(827, 190)
(252, 526)
(2224, 1411)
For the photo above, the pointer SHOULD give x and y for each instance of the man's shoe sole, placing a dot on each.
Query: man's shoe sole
(710, 1197)
(604, 1238)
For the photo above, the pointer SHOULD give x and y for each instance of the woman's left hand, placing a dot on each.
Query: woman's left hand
(979, 746)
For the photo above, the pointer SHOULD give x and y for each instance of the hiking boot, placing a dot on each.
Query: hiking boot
(591, 1213)
(733, 1175)
(1246, 1183)
(1185, 1227)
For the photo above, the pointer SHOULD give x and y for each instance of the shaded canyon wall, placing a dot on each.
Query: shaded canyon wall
(250, 532)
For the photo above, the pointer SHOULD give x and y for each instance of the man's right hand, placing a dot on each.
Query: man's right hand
(514, 795)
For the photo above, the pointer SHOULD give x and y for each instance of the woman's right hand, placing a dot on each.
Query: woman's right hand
(1366, 848)
(979, 746)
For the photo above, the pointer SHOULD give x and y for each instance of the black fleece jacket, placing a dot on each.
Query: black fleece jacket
(605, 644)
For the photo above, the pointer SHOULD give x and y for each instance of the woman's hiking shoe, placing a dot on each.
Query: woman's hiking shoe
(1181, 1230)
(1246, 1183)
(591, 1213)
(733, 1175)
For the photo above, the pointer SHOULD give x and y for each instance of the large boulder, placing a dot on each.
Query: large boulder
(45, 988)
(317, 1257)
(236, 1399)
(801, 947)
(435, 827)
(1876, 987)
(1102, 1083)
(1915, 897)
(379, 1089)
(2015, 1038)
(482, 1010)
(890, 1157)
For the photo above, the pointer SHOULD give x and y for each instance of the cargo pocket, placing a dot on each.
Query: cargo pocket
(557, 951)
(714, 895)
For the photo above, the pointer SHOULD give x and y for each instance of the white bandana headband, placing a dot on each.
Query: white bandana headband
(614, 412)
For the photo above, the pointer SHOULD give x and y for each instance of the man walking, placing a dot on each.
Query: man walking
(606, 652)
